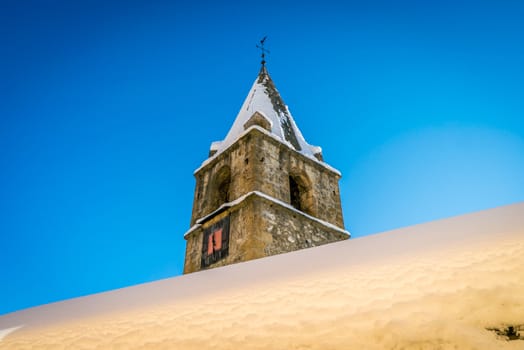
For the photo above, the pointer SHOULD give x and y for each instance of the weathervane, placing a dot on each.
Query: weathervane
(263, 50)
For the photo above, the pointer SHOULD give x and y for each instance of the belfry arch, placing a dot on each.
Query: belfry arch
(221, 187)
(301, 194)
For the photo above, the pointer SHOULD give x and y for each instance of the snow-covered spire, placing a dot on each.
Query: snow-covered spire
(264, 107)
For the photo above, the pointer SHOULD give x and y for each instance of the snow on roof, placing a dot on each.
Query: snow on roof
(265, 99)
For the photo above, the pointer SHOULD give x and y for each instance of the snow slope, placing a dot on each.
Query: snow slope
(432, 286)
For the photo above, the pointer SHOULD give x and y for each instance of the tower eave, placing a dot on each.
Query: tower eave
(310, 156)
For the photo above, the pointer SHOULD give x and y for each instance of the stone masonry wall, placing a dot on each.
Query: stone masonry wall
(236, 158)
(260, 163)
(246, 242)
(276, 162)
(259, 228)
(292, 231)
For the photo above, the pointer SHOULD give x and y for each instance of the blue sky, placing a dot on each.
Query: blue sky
(107, 107)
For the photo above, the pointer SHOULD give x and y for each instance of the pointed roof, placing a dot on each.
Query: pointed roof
(265, 102)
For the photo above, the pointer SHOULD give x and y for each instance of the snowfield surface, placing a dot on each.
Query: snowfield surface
(433, 286)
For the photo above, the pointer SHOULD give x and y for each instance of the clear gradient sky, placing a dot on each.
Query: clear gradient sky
(107, 107)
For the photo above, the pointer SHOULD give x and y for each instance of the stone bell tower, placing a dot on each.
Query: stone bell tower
(263, 190)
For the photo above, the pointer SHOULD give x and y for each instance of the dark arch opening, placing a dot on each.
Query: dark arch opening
(222, 182)
(300, 194)
(294, 193)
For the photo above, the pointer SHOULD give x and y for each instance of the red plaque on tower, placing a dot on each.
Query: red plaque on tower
(215, 245)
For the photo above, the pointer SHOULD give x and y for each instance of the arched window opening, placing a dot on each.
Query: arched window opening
(223, 191)
(294, 193)
(221, 184)
(301, 194)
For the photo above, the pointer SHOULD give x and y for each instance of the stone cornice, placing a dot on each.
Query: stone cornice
(237, 202)
(255, 128)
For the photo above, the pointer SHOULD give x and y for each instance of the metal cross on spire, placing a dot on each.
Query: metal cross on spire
(263, 50)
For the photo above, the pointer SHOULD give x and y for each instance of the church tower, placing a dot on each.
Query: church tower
(263, 190)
